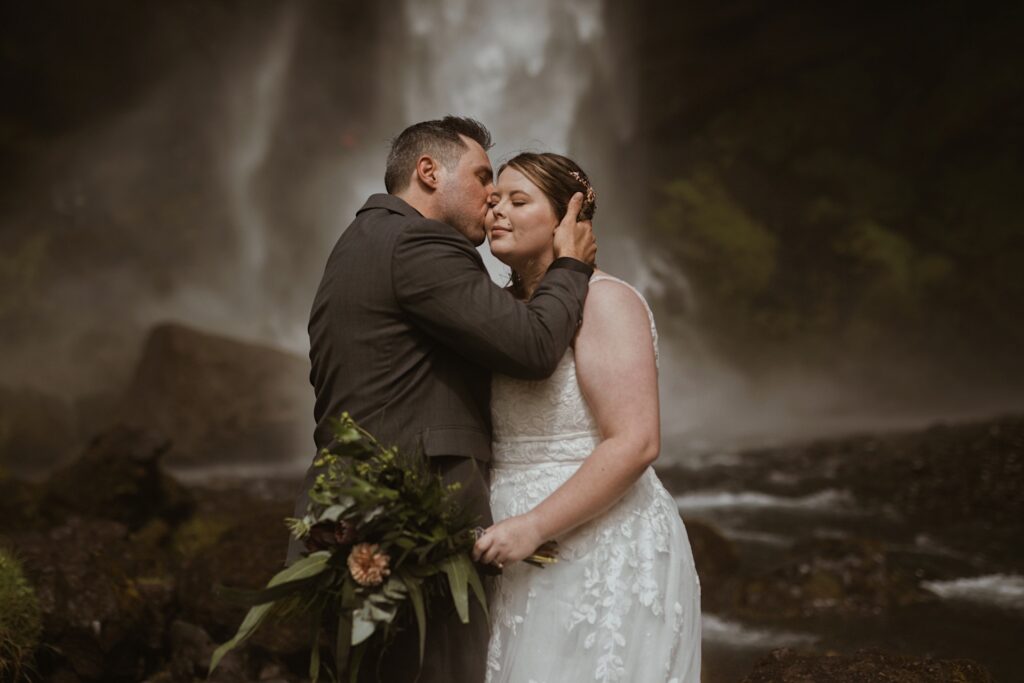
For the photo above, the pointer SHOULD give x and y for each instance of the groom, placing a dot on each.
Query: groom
(407, 327)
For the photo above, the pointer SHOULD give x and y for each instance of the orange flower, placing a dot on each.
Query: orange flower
(368, 567)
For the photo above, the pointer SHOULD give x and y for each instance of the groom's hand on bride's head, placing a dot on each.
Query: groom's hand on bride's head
(575, 238)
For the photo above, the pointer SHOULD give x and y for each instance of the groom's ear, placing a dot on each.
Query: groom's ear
(427, 172)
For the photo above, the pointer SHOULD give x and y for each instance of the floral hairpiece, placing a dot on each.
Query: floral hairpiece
(591, 195)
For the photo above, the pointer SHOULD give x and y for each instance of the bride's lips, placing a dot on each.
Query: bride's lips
(498, 232)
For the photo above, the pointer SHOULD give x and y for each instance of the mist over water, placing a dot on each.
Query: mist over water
(214, 195)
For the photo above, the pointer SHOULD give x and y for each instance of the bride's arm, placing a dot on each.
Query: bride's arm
(616, 370)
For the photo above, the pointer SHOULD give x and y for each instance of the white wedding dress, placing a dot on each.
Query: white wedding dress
(623, 602)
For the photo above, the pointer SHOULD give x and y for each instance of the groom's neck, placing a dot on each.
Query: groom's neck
(423, 203)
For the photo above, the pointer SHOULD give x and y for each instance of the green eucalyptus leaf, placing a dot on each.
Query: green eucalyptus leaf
(333, 512)
(395, 589)
(363, 625)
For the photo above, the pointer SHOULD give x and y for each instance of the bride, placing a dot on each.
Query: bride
(572, 461)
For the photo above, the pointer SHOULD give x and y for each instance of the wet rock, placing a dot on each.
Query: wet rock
(840, 577)
(713, 553)
(219, 399)
(119, 477)
(245, 554)
(960, 483)
(191, 650)
(104, 613)
(865, 666)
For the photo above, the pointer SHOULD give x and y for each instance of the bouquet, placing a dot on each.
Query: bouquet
(384, 535)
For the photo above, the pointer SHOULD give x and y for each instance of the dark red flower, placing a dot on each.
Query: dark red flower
(321, 536)
(345, 533)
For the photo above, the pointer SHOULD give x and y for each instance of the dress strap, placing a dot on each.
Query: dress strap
(597, 277)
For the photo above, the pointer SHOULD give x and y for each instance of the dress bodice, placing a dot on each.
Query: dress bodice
(547, 420)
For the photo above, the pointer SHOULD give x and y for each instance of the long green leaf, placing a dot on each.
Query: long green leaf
(251, 622)
(477, 586)
(416, 597)
(343, 643)
(250, 598)
(314, 654)
(304, 568)
(455, 567)
(357, 659)
(314, 662)
(301, 569)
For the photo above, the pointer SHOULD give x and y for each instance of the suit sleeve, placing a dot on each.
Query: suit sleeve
(440, 281)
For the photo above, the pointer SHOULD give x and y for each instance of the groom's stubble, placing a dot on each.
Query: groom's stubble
(464, 193)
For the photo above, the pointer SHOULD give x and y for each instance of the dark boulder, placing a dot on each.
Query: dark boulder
(221, 400)
(104, 594)
(119, 477)
(865, 666)
(842, 577)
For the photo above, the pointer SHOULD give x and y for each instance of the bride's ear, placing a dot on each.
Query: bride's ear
(427, 170)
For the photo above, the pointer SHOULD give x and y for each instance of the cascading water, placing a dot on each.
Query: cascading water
(520, 68)
(252, 108)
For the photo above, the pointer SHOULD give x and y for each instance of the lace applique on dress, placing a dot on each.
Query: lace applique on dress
(623, 603)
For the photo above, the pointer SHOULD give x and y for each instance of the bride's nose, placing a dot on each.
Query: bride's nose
(498, 207)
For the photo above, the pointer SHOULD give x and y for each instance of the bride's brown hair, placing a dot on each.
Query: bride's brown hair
(558, 177)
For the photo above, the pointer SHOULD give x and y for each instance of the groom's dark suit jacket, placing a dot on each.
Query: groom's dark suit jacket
(405, 331)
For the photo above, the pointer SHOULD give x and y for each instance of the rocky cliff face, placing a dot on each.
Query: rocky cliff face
(215, 401)
(220, 400)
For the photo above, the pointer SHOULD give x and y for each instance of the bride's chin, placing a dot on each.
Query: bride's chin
(501, 254)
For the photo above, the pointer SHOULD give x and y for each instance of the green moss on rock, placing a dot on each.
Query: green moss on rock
(20, 619)
(197, 533)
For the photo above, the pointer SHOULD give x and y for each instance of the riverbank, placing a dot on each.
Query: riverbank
(889, 554)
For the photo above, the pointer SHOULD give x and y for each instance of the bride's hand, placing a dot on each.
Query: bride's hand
(508, 541)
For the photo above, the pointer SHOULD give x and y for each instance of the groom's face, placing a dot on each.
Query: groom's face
(465, 192)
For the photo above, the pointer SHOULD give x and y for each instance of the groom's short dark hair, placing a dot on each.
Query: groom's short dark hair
(438, 138)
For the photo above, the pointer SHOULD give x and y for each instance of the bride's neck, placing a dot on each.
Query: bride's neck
(529, 274)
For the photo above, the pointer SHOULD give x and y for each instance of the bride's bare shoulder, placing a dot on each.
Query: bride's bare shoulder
(612, 302)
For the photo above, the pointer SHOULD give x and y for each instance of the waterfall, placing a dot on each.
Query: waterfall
(252, 105)
(520, 68)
